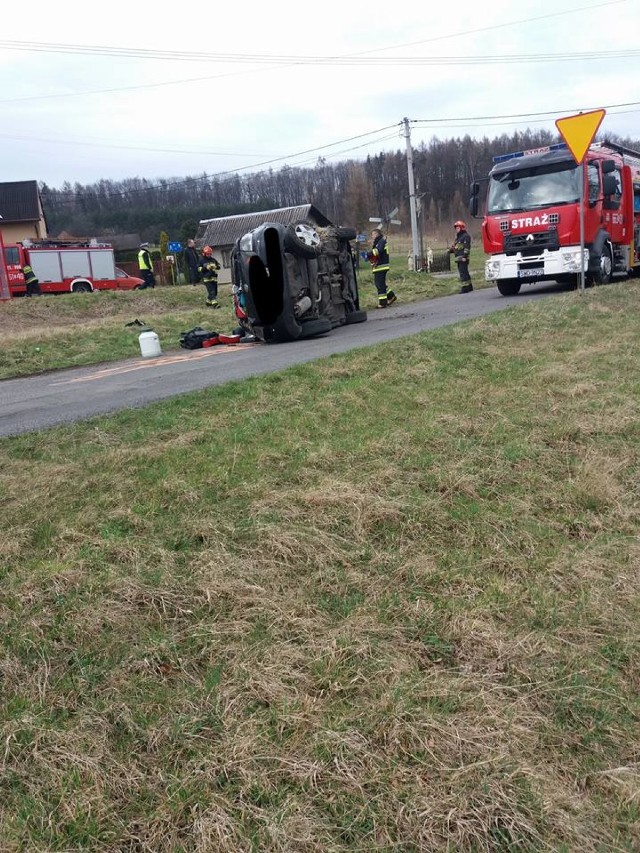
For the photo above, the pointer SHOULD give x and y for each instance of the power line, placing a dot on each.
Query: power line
(280, 61)
(464, 121)
(416, 122)
(346, 60)
(551, 113)
(93, 144)
(201, 56)
(205, 177)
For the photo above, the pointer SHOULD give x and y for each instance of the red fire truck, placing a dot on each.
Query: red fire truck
(66, 267)
(531, 227)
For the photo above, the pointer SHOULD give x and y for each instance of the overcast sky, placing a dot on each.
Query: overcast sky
(119, 93)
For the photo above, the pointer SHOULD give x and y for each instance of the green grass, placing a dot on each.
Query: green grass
(314, 611)
(71, 331)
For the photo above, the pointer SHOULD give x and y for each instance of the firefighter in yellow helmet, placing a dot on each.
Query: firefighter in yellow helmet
(208, 269)
(460, 248)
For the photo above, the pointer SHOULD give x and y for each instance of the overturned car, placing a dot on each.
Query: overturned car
(295, 281)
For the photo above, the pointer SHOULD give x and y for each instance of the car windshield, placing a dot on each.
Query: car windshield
(537, 186)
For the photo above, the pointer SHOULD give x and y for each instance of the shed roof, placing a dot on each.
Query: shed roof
(19, 201)
(227, 229)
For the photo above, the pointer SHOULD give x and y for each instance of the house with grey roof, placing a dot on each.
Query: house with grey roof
(22, 212)
(221, 234)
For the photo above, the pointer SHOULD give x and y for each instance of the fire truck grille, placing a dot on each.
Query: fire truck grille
(523, 243)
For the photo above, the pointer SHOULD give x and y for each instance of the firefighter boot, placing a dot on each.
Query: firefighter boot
(466, 288)
(391, 297)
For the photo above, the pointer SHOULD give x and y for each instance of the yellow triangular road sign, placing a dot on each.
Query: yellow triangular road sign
(578, 131)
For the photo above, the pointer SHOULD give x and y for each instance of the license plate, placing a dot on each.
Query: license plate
(530, 273)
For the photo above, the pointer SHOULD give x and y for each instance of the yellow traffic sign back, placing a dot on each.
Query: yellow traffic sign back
(578, 131)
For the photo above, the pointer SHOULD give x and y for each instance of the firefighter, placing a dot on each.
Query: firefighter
(378, 257)
(461, 248)
(31, 281)
(208, 269)
(145, 266)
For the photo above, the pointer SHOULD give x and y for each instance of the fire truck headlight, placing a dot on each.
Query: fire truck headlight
(571, 260)
(491, 270)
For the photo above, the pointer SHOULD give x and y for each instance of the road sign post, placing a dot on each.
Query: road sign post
(174, 247)
(578, 132)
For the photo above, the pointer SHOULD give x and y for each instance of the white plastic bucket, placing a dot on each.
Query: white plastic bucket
(149, 344)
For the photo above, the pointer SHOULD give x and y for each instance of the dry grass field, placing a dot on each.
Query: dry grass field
(386, 602)
(54, 332)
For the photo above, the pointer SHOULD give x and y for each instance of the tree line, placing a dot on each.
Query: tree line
(347, 192)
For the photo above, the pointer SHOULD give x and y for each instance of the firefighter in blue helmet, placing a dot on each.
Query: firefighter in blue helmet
(378, 257)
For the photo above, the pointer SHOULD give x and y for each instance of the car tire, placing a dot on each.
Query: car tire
(312, 328)
(302, 240)
(355, 317)
(344, 232)
(81, 287)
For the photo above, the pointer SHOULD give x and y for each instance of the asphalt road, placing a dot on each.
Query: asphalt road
(66, 396)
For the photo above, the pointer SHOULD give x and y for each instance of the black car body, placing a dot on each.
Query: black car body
(295, 281)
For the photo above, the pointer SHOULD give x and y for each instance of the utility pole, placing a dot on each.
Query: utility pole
(412, 196)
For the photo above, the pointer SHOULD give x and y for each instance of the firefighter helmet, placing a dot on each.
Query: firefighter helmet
(207, 251)
(459, 224)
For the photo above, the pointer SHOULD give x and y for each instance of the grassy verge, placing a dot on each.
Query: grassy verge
(317, 612)
(71, 331)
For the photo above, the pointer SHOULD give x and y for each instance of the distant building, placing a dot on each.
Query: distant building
(221, 234)
(22, 212)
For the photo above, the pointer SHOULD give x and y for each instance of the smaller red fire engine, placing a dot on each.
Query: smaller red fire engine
(65, 267)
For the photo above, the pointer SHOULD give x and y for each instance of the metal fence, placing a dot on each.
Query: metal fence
(434, 261)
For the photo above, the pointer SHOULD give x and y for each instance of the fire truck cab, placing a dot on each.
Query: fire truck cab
(66, 267)
(531, 227)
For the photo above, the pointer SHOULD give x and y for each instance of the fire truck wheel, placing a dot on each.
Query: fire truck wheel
(81, 287)
(509, 287)
(602, 274)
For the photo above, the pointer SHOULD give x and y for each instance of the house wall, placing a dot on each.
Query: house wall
(222, 257)
(19, 231)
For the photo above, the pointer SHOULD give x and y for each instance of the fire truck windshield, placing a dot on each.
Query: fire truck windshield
(533, 187)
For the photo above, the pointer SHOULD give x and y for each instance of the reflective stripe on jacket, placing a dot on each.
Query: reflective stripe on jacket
(208, 269)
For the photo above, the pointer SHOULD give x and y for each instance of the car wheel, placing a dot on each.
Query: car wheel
(302, 239)
(345, 232)
(81, 287)
(315, 327)
(355, 317)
